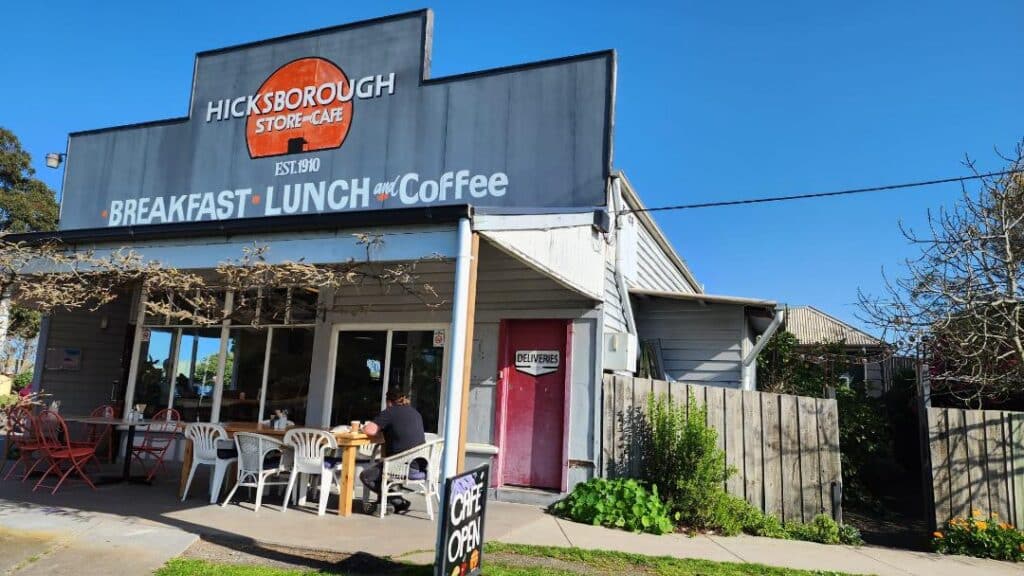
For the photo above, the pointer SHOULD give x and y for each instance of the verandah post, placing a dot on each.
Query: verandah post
(461, 314)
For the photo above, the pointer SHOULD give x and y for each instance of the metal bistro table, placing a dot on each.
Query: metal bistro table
(348, 442)
(120, 424)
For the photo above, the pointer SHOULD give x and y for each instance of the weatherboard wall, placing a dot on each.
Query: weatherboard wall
(80, 391)
(701, 343)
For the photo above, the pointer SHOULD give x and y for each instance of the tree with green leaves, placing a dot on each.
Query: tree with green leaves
(27, 204)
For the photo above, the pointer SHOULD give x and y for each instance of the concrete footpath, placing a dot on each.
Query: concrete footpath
(62, 541)
(132, 530)
(549, 531)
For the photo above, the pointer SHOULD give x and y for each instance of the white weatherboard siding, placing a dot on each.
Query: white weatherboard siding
(700, 343)
(572, 255)
(655, 270)
(614, 319)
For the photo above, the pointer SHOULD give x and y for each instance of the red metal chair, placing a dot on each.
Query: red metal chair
(160, 435)
(97, 433)
(21, 433)
(62, 456)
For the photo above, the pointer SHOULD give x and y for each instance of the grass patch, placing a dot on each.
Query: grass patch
(520, 560)
(625, 563)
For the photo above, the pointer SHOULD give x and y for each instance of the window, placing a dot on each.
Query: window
(369, 362)
(266, 364)
(195, 373)
(155, 366)
(249, 395)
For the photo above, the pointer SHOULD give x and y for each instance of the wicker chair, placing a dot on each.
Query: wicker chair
(259, 458)
(396, 472)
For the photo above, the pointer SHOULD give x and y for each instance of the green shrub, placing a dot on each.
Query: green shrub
(21, 381)
(683, 458)
(621, 503)
(980, 537)
(823, 530)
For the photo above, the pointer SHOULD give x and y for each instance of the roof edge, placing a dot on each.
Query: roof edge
(713, 298)
(264, 224)
(636, 205)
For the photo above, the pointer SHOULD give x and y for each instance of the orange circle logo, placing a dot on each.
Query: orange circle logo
(306, 105)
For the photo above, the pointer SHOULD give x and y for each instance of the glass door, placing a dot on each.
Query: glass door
(369, 362)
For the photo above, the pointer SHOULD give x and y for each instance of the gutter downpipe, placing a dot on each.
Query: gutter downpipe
(749, 369)
(456, 358)
(620, 280)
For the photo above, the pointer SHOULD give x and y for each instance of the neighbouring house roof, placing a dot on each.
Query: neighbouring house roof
(812, 326)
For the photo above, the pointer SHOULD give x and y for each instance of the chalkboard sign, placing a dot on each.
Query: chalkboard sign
(462, 543)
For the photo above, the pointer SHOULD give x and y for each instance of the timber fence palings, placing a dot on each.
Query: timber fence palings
(785, 449)
(977, 463)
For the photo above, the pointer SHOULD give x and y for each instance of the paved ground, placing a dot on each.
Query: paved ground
(132, 529)
(57, 541)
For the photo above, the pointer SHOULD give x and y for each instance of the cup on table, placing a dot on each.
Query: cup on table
(356, 426)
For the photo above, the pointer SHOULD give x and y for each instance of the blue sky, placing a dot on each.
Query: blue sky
(716, 100)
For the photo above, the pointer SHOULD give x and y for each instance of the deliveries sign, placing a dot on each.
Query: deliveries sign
(462, 542)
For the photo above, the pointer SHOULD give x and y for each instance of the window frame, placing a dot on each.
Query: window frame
(389, 328)
(225, 334)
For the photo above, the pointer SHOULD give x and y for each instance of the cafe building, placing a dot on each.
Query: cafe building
(493, 190)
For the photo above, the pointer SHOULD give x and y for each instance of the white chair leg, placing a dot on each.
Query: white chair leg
(430, 505)
(382, 499)
(303, 488)
(217, 483)
(325, 491)
(288, 492)
(259, 493)
(231, 494)
(188, 482)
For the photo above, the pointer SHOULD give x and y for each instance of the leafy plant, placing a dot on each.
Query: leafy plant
(864, 439)
(823, 530)
(683, 458)
(620, 503)
(22, 380)
(980, 537)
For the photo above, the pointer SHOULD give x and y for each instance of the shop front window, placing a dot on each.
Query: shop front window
(368, 363)
(156, 362)
(266, 364)
(195, 374)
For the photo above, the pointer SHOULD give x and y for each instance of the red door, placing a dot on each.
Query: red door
(534, 369)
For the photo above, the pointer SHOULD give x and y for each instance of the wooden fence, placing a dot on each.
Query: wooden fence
(785, 448)
(977, 463)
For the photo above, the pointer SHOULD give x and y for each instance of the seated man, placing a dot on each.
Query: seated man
(402, 428)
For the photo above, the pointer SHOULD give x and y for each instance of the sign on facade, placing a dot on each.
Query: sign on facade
(462, 540)
(538, 362)
(347, 119)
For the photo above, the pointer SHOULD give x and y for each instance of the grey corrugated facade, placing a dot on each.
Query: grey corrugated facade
(546, 127)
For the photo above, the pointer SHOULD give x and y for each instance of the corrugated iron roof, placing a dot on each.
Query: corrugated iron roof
(812, 326)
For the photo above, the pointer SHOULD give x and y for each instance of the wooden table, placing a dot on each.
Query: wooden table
(348, 442)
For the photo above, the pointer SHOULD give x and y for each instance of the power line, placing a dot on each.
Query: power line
(826, 194)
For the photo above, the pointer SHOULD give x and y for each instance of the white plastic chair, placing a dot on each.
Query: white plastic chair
(254, 470)
(204, 437)
(311, 447)
(395, 471)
